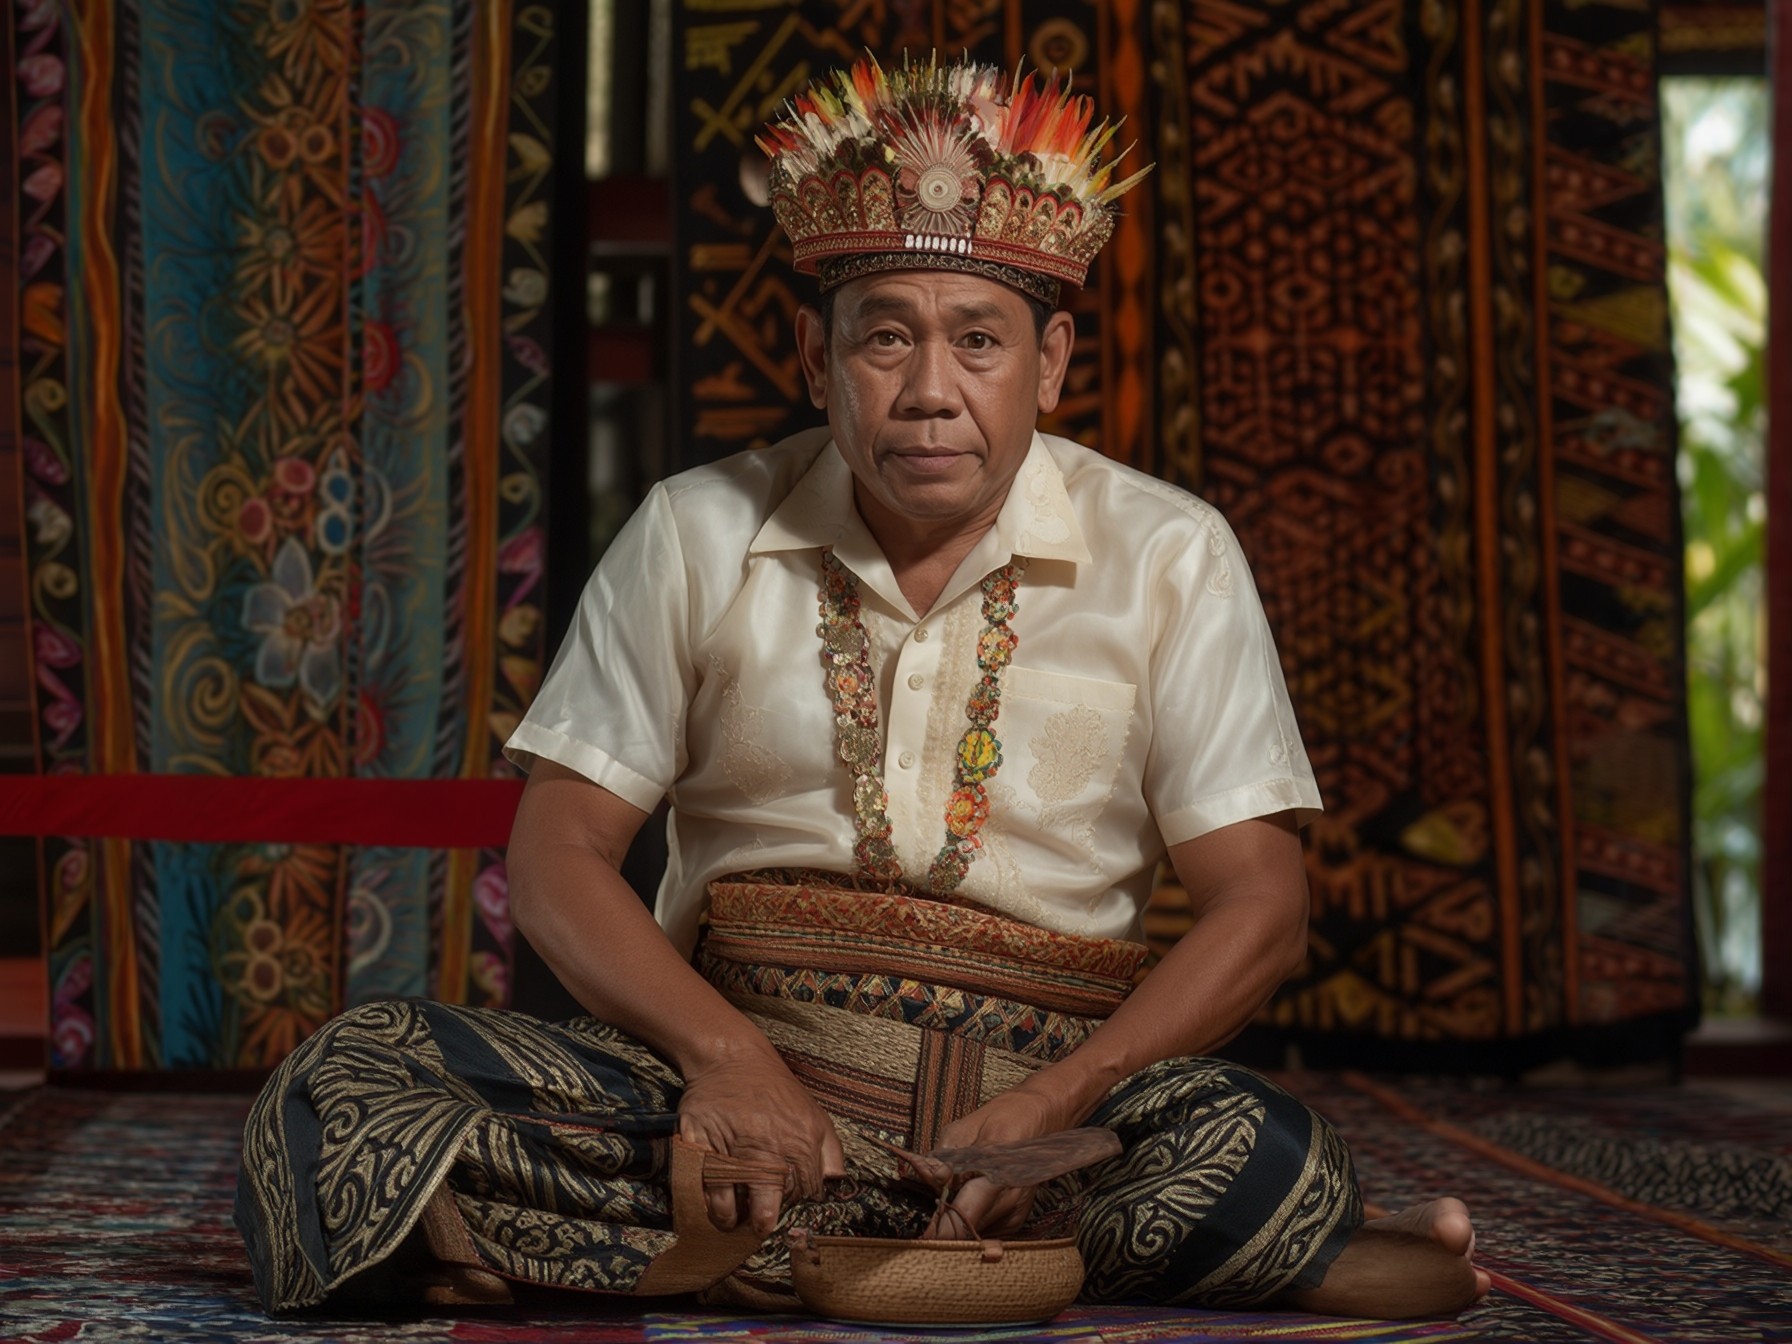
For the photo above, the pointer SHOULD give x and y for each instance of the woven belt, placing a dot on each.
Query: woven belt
(899, 1011)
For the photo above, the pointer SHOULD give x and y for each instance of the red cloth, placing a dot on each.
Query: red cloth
(427, 813)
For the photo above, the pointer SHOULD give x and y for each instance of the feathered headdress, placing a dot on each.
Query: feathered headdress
(953, 167)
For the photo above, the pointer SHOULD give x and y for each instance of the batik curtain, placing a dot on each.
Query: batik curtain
(1393, 300)
(282, 276)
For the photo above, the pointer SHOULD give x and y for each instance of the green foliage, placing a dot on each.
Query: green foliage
(1715, 154)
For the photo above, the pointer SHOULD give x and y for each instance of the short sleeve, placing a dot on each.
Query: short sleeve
(612, 706)
(1225, 745)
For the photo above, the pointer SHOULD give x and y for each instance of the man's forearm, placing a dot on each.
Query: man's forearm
(1198, 997)
(1248, 935)
(592, 929)
(569, 897)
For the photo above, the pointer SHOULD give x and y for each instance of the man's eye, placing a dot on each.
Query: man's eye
(884, 339)
(979, 340)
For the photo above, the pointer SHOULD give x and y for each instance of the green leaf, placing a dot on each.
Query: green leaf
(1739, 552)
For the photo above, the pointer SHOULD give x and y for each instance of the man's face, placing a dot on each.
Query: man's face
(932, 382)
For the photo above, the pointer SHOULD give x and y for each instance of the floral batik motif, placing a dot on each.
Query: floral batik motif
(283, 381)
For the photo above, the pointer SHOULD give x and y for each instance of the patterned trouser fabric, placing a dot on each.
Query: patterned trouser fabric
(899, 1015)
(549, 1136)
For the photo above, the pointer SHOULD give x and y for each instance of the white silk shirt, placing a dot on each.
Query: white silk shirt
(1144, 705)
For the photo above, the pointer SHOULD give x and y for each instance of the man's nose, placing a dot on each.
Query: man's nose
(929, 385)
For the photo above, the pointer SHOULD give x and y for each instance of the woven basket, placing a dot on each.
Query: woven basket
(886, 1281)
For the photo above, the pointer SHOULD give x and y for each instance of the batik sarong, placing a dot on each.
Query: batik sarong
(898, 1014)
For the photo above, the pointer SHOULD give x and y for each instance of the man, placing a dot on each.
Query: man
(1035, 671)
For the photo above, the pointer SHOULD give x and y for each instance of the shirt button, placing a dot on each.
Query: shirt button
(921, 634)
(916, 681)
(906, 760)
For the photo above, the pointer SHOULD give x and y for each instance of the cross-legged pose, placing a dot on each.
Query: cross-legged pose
(930, 695)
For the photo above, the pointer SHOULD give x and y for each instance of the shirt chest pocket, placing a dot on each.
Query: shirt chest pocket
(1063, 741)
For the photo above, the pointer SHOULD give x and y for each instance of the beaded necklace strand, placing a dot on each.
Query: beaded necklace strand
(852, 686)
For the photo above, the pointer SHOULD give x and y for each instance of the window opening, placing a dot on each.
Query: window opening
(1715, 155)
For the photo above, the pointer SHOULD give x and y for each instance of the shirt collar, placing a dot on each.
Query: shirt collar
(816, 513)
(1036, 521)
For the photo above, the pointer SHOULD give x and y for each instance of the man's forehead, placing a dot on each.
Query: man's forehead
(929, 293)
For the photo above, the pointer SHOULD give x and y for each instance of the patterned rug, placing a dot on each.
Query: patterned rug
(1644, 1215)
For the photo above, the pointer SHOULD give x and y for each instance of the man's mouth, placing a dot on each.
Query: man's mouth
(926, 459)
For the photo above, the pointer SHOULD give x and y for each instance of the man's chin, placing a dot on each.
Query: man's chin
(925, 467)
(932, 505)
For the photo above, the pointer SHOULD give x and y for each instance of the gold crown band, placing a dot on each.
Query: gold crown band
(811, 253)
(836, 271)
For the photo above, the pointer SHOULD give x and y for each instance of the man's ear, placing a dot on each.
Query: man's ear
(1055, 345)
(812, 349)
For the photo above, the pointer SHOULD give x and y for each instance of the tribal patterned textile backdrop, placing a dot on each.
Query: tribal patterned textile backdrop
(283, 378)
(1394, 301)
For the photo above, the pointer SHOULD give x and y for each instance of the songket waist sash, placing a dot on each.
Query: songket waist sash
(903, 1012)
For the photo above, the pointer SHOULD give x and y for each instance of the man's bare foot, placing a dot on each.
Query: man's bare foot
(1418, 1262)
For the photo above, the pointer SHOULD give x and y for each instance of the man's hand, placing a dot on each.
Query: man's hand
(747, 1104)
(1025, 1111)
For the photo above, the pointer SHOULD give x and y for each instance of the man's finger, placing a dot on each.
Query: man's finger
(722, 1208)
(763, 1203)
(972, 1206)
(986, 1210)
(833, 1156)
(803, 1174)
(949, 1225)
(1009, 1213)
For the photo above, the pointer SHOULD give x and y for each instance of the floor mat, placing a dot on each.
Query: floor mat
(1575, 1257)
(115, 1224)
